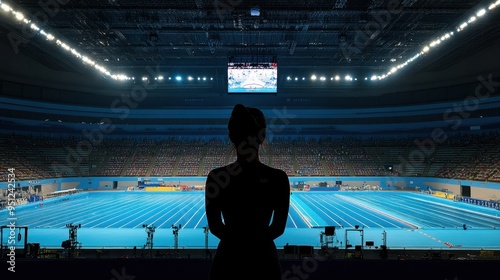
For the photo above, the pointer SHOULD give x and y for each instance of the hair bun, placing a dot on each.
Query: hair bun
(246, 122)
(243, 119)
(239, 110)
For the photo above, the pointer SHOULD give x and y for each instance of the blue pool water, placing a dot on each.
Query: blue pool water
(115, 219)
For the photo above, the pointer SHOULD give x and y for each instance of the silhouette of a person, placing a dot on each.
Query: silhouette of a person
(246, 204)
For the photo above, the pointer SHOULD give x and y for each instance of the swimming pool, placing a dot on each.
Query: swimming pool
(117, 219)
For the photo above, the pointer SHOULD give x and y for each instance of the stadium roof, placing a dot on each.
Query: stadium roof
(414, 44)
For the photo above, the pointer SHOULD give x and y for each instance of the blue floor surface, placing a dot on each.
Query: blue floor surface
(403, 219)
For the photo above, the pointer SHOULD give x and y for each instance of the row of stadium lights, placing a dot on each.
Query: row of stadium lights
(123, 77)
(177, 78)
(323, 78)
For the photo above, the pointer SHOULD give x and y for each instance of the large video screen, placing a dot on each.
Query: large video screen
(252, 77)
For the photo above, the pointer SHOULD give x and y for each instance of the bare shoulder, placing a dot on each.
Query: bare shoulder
(222, 169)
(217, 170)
(278, 174)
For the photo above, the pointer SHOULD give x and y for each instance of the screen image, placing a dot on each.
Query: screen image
(252, 77)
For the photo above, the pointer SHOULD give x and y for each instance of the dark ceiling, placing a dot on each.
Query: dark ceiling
(127, 36)
(200, 36)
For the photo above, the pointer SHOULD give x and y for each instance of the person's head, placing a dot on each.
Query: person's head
(247, 126)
